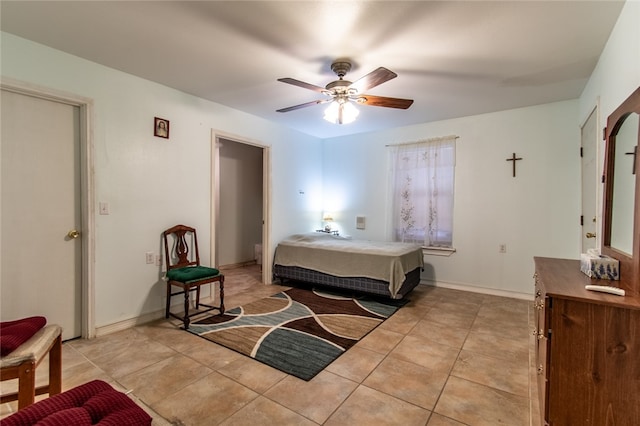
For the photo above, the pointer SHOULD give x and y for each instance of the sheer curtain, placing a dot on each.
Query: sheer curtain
(422, 182)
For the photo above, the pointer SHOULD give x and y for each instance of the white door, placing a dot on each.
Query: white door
(41, 269)
(589, 138)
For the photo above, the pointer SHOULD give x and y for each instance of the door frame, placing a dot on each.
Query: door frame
(216, 135)
(87, 192)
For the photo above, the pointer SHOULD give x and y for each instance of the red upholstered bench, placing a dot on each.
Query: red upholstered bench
(94, 403)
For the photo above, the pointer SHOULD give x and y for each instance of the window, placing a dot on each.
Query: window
(422, 183)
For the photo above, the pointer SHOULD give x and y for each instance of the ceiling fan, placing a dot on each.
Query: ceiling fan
(341, 93)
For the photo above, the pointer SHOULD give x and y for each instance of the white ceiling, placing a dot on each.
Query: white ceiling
(454, 58)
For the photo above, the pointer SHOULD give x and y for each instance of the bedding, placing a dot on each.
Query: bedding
(330, 260)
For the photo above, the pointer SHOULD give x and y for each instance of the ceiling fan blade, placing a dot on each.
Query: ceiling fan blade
(373, 79)
(307, 104)
(382, 101)
(302, 84)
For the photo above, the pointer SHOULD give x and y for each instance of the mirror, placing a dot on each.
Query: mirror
(621, 224)
(624, 184)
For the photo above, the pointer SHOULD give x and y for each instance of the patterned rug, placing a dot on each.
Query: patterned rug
(298, 331)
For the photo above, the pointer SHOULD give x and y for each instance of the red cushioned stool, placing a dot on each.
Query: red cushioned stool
(24, 344)
(93, 403)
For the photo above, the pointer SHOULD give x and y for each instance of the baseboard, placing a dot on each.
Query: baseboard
(129, 323)
(475, 289)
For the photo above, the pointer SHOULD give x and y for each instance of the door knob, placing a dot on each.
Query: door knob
(73, 234)
(590, 235)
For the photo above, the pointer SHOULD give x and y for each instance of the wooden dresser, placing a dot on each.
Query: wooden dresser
(587, 349)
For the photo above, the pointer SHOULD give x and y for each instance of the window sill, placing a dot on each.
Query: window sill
(438, 251)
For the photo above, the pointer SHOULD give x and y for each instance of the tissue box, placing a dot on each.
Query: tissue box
(600, 266)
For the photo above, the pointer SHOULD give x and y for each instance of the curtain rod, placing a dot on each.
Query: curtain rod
(425, 140)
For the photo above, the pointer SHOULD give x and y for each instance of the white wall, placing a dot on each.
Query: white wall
(617, 73)
(534, 214)
(153, 183)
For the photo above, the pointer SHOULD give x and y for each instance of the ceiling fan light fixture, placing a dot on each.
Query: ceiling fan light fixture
(341, 112)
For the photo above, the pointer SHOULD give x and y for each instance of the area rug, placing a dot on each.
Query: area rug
(298, 331)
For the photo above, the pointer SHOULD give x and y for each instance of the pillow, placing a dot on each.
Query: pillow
(15, 333)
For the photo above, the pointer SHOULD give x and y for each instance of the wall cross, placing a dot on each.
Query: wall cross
(635, 158)
(514, 159)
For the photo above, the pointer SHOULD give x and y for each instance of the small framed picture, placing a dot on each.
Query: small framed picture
(161, 128)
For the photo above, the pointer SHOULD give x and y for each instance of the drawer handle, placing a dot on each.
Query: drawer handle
(540, 369)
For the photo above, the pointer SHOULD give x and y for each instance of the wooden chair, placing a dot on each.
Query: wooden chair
(184, 270)
(22, 362)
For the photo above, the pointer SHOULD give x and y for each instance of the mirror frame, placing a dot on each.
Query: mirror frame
(629, 265)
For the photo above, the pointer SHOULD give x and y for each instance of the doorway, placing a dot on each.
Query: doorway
(46, 231)
(240, 212)
(588, 154)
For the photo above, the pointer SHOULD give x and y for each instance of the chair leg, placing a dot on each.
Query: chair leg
(198, 297)
(222, 295)
(186, 307)
(55, 367)
(166, 312)
(26, 384)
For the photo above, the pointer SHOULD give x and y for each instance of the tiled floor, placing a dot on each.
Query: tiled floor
(446, 358)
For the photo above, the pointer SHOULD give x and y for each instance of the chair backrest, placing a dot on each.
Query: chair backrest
(184, 239)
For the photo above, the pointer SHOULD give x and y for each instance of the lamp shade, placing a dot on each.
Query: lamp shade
(341, 112)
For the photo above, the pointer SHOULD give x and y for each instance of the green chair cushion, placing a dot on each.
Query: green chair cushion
(192, 273)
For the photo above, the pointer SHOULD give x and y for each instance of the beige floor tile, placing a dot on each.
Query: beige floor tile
(315, 399)
(402, 321)
(480, 405)
(380, 340)
(368, 406)
(263, 411)
(508, 375)
(164, 378)
(501, 328)
(204, 351)
(79, 374)
(503, 315)
(252, 374)
(133, 357)
(106, 345)
(209, 401)
(442, 315)
(355, 364)
(438, 420)
(407, 381)
(427, 353)
(498, 347)
(443, 334)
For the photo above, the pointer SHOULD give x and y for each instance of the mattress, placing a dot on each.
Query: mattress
(333, 255)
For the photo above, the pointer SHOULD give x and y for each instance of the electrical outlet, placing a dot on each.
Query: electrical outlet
(149, 257)
(158, 260)
(502, 248)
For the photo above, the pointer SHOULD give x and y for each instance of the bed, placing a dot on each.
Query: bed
(380, 268)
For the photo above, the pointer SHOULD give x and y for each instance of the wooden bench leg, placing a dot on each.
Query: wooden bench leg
(55, 367)
(26, 384)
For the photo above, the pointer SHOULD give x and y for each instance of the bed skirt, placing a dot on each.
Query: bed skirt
(360, 284)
